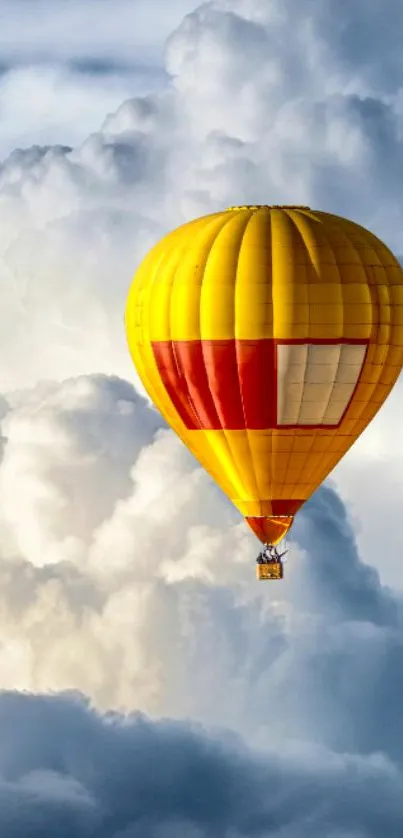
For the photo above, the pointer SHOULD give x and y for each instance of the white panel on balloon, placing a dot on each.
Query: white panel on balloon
(315, 382)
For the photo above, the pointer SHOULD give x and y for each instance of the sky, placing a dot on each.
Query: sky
(148, 685)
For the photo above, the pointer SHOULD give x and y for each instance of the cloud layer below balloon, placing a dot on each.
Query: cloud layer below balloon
(71, 772)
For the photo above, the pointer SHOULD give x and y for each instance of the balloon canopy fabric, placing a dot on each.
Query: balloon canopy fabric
(268, 338)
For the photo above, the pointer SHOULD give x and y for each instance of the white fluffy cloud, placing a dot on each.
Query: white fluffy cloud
(90, 30)
(64, 65)
(45, 104)
(104, 514)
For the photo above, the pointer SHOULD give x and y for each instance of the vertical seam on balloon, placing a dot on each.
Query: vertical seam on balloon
(252, 460)
(344, 229)
(277, 452)
(203, 230)
(158, 385)
(296, 225)
(364, 267)
(342, 325)
(378, 324)
(286, 483)
(392, 324)
(280, 485)
(333, 434)
(293, 216)
(252, 464)
(311, 471)
(274, 408)
(274, 435)
(182, 380)
(179, 368)
(240, 478)
(177, 359)
(303, 239)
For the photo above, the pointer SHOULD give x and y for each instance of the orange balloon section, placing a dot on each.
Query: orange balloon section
(268, 338)
(270, 530)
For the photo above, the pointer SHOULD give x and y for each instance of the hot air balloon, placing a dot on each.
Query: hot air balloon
(268, 337)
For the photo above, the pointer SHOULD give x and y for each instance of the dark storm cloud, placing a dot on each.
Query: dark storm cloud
(56, 30)
(89, 66)
(363, 36)
(68, 772)
(338, 583)
(340, 683)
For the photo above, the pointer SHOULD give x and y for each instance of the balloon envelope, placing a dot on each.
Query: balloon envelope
(268, 338)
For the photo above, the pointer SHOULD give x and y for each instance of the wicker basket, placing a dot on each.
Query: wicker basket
(269, 570)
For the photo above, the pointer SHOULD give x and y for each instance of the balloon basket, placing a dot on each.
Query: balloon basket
(269, 570)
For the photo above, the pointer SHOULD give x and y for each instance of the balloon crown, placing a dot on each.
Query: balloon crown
(268, 206)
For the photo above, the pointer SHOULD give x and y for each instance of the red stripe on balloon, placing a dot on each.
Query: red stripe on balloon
(191, 362)
(220, 384)
(228, 384)
(223, 378)
(257, 371)
(175, 383)
(285, 507)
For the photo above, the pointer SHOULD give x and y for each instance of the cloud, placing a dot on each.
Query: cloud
(60, 30)
(46, 104)
(66, 770)
(67, 463)
(64, 65)
(128, 575)
(369, 480)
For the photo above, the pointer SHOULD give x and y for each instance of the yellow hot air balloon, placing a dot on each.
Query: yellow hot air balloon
(268, 338)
